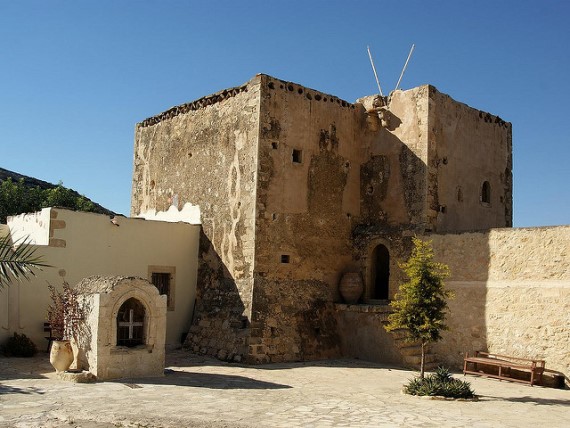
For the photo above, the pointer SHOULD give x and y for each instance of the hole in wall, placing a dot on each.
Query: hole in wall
(325, 99)
(297, 156)
(486, 192)
(290, 87)
(444, 160)
(152, 184)
(318, 97)
(285, 258)
(274, 145)
(309, 96)
(271, 85)
(281, 86)
(300, 90)
(442, 209)
(370, 190)
(274, 216)
(317, 331)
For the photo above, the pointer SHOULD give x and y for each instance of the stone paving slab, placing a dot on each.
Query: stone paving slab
(202, 392)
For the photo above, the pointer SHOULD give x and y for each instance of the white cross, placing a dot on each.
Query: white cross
(130, 323)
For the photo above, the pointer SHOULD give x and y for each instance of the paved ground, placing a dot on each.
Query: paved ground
(200, 392)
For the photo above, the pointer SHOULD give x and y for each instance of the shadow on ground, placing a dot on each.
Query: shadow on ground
(181, 359)
(203, 380)
(5, 389)
(527, 399)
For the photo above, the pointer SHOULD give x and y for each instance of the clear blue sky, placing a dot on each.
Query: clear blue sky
(76, 76)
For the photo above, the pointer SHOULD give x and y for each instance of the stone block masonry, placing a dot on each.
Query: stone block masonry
(512, 291)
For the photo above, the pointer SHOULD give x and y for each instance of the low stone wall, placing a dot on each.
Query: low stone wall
(362, 333)
(512, 291)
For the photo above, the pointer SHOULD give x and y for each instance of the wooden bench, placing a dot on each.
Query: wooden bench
(503, 367)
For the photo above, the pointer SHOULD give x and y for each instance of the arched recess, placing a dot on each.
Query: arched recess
(131, 320)
(379, 268)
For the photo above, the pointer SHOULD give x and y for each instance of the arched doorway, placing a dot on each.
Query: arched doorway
(380, 269)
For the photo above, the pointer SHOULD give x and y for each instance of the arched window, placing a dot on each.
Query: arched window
(380, 270)
(486, 193)
(130, 323)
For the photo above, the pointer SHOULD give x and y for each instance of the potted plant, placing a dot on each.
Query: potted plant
(64, 315)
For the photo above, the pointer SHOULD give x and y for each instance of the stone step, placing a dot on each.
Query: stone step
(417, 359)
(411, 350)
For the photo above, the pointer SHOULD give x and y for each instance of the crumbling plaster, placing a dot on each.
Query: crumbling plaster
(295, 187)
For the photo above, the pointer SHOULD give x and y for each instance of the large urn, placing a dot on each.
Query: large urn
(61, 355)
(351, 287)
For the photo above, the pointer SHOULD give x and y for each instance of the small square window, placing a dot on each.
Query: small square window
(284, 258)
(297, 156)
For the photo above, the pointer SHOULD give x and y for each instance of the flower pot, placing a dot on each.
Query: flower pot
(351, 287)
(61, 355)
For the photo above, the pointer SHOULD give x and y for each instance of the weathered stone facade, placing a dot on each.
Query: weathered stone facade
(296, 187)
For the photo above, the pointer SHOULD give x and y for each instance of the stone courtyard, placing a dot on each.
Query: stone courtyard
(198, 391)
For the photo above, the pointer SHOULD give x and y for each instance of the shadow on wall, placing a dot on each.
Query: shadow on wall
(219, 327)
(468, 257)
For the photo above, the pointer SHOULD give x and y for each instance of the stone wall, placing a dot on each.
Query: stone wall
(205, 153)
(466, 148)
(307, 195)
(512, 294)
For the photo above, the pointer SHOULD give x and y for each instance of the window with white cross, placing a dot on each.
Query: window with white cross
(130, 323)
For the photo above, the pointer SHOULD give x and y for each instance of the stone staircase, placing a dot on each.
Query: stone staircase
(412, 352)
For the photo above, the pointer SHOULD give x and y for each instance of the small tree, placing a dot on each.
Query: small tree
(421, 303)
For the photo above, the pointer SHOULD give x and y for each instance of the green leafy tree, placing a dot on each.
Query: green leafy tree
(421, 303)
(17, 261)
(17, 198)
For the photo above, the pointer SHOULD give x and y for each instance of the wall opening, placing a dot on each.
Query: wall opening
(380, 269)
(130, 323)
(284, 258)
(486, 193)
(163, 278)
(297, 156)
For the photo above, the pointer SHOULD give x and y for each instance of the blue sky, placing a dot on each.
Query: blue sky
(76, 76)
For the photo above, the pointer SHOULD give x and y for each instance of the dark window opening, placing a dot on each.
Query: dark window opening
(161, 280)
(274, 145)
(284, 258)
(130, 323)
(297, 156)
(486, 193)
(380, 273)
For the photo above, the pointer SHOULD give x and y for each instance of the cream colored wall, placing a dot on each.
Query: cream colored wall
(512, 294)
(95, 246)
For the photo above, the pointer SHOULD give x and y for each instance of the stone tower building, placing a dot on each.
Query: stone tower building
(296, 187)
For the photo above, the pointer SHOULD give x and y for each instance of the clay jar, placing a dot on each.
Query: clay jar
(61, 355)
(351, 287)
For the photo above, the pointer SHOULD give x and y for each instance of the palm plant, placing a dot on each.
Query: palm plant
(17, 261)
